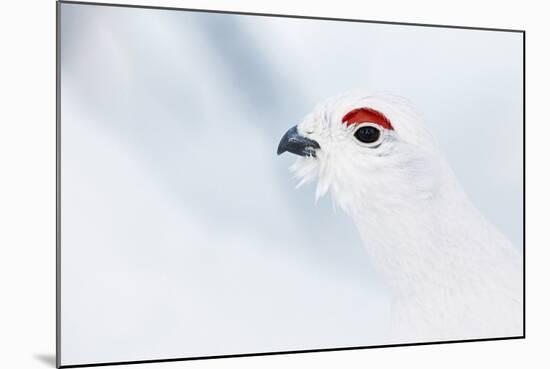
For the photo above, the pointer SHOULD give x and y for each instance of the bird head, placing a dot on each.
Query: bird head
(367, 149)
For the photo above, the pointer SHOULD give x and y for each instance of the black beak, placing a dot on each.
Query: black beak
(297, 144)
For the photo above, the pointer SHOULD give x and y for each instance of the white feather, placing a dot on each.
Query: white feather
(452, 274)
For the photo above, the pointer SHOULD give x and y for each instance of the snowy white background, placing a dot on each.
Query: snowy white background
(182, 227)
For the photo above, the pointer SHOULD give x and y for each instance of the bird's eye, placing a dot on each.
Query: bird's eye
(368, 134)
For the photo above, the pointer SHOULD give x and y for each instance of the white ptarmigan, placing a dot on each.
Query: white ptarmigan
(451, 274)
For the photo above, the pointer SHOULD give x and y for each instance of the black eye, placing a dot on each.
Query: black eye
(367, 134)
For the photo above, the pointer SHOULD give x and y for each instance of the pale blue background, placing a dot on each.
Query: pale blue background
(182, 233)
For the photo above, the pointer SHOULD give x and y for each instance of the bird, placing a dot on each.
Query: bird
(449, 272)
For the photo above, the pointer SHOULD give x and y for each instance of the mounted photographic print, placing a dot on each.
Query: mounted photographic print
(241, 184)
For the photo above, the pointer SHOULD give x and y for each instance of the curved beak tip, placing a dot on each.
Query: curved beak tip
(293, 142)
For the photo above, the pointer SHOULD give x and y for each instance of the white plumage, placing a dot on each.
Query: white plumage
(451, 273)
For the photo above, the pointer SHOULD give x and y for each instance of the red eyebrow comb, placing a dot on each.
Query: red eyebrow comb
(366, 115)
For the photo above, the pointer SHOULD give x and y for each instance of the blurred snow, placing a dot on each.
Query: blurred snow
(182, 233)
